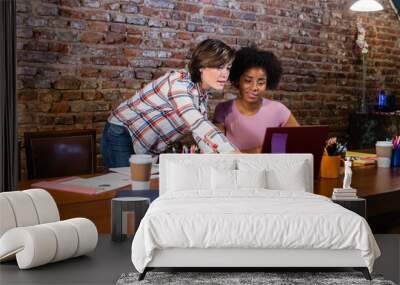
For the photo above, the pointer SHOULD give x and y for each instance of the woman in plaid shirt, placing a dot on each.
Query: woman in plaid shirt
(169, 107)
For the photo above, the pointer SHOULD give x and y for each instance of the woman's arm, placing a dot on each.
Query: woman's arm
(202, 129)
(291, 122)
(220, 126)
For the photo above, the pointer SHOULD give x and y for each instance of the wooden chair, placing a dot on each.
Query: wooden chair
(60, 153)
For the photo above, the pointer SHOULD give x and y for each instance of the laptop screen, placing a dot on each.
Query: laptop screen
(303, 139)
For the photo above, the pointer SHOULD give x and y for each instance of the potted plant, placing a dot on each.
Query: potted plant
(330, 162)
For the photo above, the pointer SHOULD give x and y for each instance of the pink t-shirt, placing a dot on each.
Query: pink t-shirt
(249, 131)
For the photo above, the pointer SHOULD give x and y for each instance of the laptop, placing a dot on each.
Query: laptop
(303, 139)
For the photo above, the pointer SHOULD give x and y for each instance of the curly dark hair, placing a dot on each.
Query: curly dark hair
(249, 57)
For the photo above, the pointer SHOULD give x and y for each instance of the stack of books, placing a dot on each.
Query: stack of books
(344, 194)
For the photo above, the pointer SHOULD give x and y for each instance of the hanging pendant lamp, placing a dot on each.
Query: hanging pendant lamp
(366, 6)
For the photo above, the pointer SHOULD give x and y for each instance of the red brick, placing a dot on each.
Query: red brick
(70, 3)
(132, 84)
(97, 27)
(89, 84)
(114, 61)
(71, 95)
(91, 3)
(173, 63)
(61, 107)
(70, 13)
(133, 40)
(131, 52)
(109, 73)
(67, 83)
(91, 37)
(101, 117)
(188, 7)
(83, 118)
(171, 44)
(25, 33)
(184, 36)
(133, 30)
(47, 10)
(58, 47)
(114, 38)
(98, 16)
(89, 72)
(64, 120)
(118, 28)
(27, 95)
(36, 45)
(217, 12)
(89, 95)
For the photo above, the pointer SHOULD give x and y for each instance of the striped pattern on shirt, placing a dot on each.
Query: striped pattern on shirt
(164, 110)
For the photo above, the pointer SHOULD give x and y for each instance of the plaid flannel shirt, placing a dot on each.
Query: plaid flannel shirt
(164, 110)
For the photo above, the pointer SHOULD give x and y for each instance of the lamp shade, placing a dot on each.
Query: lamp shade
(366, 6)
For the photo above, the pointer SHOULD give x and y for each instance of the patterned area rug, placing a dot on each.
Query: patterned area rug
(244, 278)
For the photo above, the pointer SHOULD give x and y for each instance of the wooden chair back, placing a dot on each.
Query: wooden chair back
(60, 153)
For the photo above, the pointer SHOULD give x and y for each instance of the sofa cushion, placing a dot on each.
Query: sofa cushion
(7, 216)
(40, 244)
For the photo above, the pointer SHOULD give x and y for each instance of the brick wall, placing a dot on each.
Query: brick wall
(78, 58)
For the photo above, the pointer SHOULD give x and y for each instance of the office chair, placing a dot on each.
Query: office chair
(60, 153)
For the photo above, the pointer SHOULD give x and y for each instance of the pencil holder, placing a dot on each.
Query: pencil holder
(330, 166)
(395, 159)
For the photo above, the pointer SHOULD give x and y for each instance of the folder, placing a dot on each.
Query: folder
(89, 186)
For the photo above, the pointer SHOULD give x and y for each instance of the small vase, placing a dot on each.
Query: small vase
(330, 166)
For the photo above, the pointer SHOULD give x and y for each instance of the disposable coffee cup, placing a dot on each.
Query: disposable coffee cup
(140, 167)
(383, 162)
(383, 153)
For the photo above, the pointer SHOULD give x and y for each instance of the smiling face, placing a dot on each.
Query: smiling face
(252, 83)
(215, 77)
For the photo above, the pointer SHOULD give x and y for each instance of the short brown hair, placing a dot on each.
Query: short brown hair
(209, 53)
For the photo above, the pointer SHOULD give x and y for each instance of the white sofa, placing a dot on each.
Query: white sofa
(31, 231)
(193, 184)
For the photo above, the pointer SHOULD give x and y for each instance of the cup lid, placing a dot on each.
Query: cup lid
(140, 158)
(384, 143)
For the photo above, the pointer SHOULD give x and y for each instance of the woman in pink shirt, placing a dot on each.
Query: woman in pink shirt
(245, 119)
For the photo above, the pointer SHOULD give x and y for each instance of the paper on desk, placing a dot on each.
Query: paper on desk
(361, 158)
(127, 171)
(102, 183)
(360, 154)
